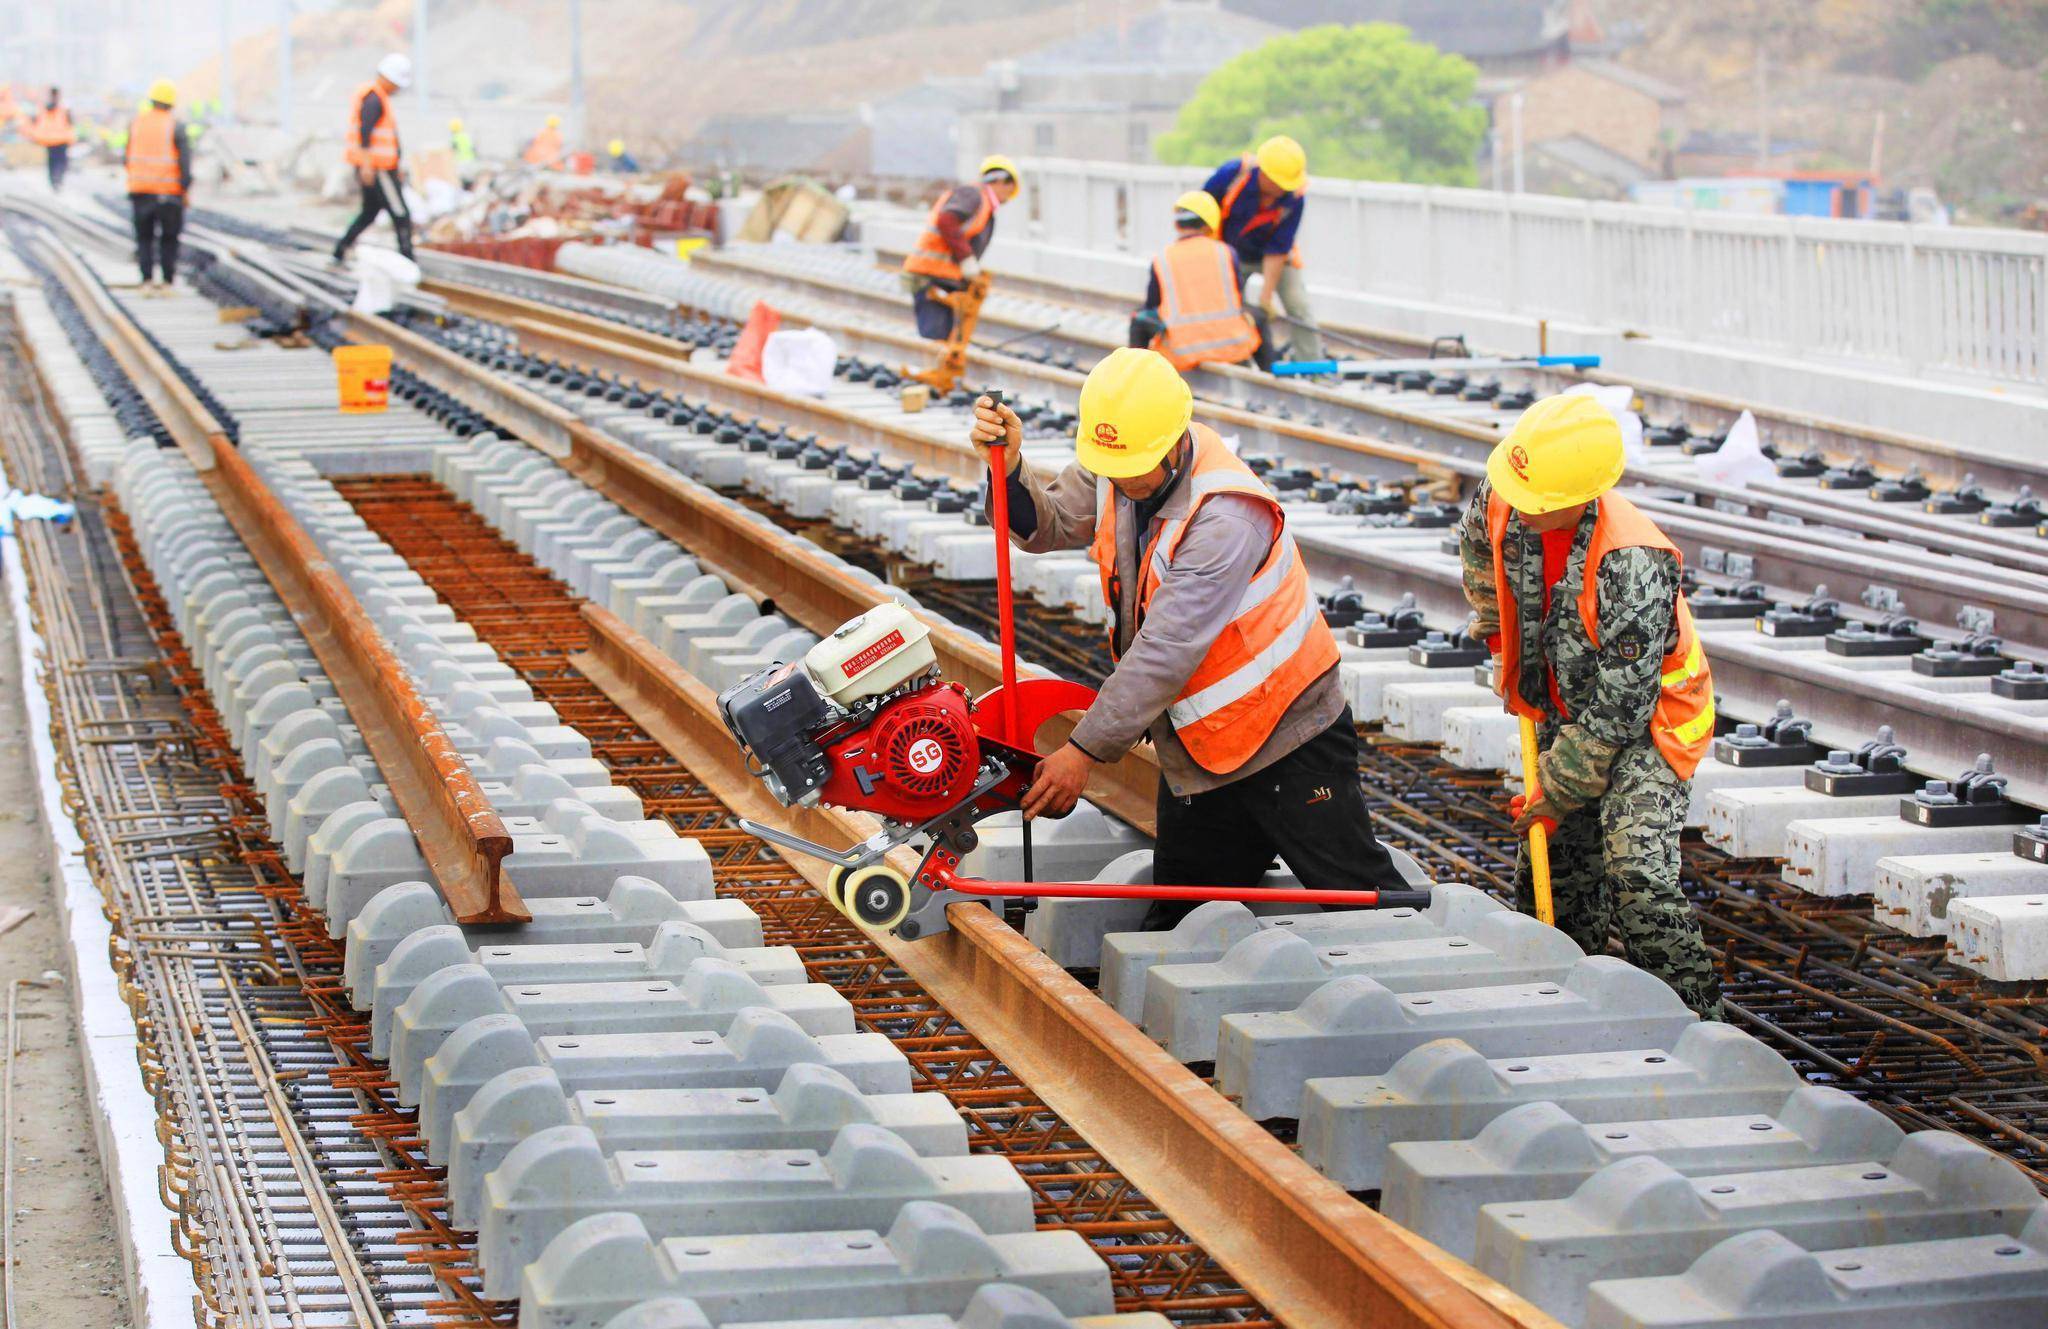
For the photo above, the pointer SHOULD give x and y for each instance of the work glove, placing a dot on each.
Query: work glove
(1533, 809)
(970, 267)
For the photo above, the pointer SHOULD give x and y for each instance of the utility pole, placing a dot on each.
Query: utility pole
(576, 74)
(227, 63)
(1515, 107)
(419, 53)
(284, 70)
(1763, 106)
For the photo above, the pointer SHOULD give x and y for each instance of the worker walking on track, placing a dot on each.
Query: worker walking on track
(373, 152)
(158, 158)
(1194, 310)
(1577, 593)
(51, 128)
(1261, 197)
(948, 255)
(460, 145)
(1221, 650)
(545, 149)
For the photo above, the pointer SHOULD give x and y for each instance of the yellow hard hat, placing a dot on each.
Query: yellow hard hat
(617, 147)
(1565, 450)
(1202, 203)
(998, 162)
(455, 125)
(554, 122)
(1282, 161)
(1134, 408)
(165, 91)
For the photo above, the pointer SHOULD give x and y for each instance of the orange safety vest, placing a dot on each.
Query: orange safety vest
(1245, 166)
(1682, 726)
(933, 257)
(52, 127)
(546, 148)
(153, 154)
(382, 153)
(1201, 306)
(1276, 643)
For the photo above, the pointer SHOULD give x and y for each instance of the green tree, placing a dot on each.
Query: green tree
(1367, 102)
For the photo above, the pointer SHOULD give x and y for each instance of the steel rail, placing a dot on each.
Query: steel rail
(1298, 1242)
(463, 838)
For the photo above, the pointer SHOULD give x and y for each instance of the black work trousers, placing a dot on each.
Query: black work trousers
(383, 194)
(1306, 808)
(934, 320)
(1147, 326)
(158, 219)
(59, 163)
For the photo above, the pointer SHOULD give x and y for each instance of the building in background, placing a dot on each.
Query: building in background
(1505, 38)
(1591, 127)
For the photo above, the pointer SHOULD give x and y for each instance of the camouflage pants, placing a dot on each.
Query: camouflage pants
(1614, 868)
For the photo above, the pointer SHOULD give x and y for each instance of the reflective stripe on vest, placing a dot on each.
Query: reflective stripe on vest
(1682, 726)
(1276, 643)
(153, 154)
(1200, 305)
(933, 257)
(382, 152)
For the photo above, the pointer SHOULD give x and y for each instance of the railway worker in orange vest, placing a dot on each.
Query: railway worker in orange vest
(51, 127)
(158, 158)
(948, 255)
(545, 149)
(1194, 310)
(1222, 655)
(372, 149)
(1261, 196)
(1578, 594)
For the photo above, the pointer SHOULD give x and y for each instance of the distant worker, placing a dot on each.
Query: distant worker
(159, 162)
(1577, 592)
(460, 143)
(1194, 310)
(1260, 195)
(948, 254)
(52, 130)
(622, 160)
(1221, 651)
(373, 152)
(546, 147)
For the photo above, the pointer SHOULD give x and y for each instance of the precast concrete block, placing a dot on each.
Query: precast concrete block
(631, 912)
(2004, 938)
(669, 577)
(1070, 931)
(710, 995)
(1366, 682)
(694, 595)
(1763, 1280)
(806, 1110)
(583, 563)
(1539, 1151)
(572, 850)
(666, 955)
(1915, 894)
(559, 1175)
(1070, 848)
(379, 852)
(727, 668)
(1355, 1026)
(1715, 775)
(1049, 578)
(1449, 1090)
(1834, 856)
(933, 1259)
(755, 1052)
(1210, 929)
(1482, 738)
(754, 632)
(1415, 711)
(1642, 1218)
(1752, 822)
(673, 633)
(995, 1306)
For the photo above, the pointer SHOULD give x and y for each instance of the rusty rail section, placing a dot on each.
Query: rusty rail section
(462, 837)
(1303, 1246)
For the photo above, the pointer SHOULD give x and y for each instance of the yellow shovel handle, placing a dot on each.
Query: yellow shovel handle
(1539, 839)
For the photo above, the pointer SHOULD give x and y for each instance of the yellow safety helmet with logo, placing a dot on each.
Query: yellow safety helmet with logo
(1134, 407)
(1565, 450)
(998, 162)
(1282, 161)
(1201, 203)
(164, 91)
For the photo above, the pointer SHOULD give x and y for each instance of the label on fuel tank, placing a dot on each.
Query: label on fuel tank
(858, 663)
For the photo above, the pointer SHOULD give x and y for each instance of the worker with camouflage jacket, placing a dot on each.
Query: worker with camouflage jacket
(1577, 594)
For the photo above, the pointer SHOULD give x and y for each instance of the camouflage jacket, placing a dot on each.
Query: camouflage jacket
(1609, 693)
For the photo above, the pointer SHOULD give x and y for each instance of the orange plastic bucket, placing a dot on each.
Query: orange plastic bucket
(363, 374)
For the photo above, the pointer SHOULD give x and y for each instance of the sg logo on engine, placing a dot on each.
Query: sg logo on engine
(925, 756)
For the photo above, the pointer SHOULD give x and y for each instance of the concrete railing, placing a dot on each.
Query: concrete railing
(1964, 305)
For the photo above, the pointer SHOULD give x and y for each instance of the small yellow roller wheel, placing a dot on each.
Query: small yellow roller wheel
(877, 897)
(834, 889)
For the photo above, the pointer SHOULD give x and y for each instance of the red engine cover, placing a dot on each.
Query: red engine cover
(914, 760)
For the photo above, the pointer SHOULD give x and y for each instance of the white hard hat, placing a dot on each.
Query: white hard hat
(396, 70)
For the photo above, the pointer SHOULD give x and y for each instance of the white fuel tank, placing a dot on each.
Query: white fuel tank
(876, 653)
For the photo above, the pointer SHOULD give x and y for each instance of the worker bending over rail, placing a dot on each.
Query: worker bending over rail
(1221, 651)
(545, 148)
(51, 128)
(948, 255)
(158, 157)
(1577, 593)
(373, 152)
(1194, 310)
(1261, 197)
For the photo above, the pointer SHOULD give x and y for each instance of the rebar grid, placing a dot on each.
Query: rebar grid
(532, 620)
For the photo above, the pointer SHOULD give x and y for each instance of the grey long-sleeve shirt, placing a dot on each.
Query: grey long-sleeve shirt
(1158, 652)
